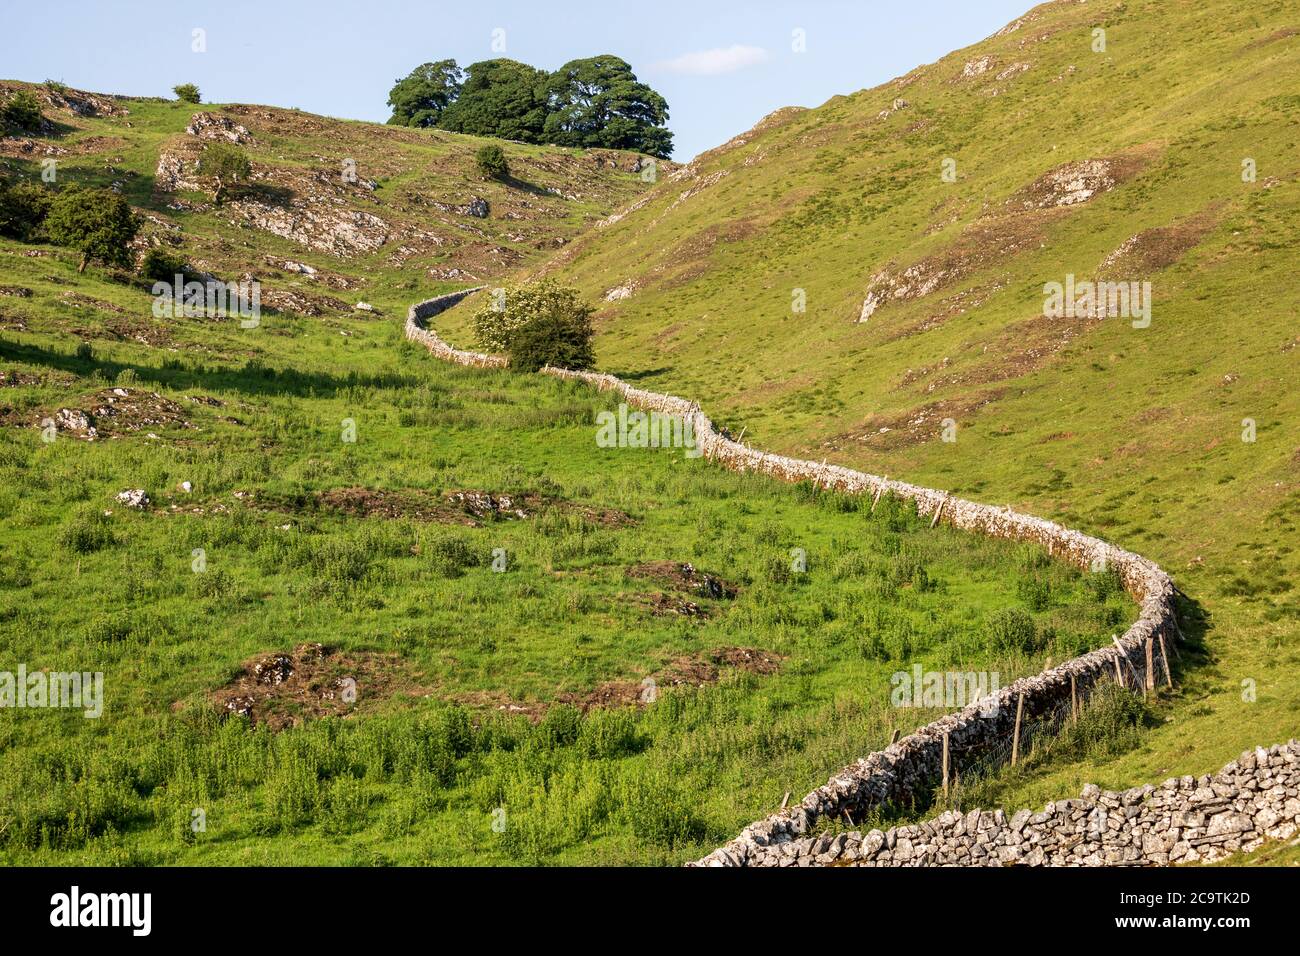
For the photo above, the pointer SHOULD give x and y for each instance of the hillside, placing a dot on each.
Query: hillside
(609, 646)
(925, 303)
(232, 524)
(337, 210)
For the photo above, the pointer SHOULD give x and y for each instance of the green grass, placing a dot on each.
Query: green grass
(417, 778)
(1130, 434)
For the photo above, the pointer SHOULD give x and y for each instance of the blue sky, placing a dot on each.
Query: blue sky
(721, 65)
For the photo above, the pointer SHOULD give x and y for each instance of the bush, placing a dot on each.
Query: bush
(160, 265)
(186, 93)
(449, 556)
(559, 341)
(491, 161)
(227, 165)
(87, 531)
(541, 323)
(1110, 724)
(21, 112)
(1011, 630)
(23, 208)
(97, 222)
(1035, 592)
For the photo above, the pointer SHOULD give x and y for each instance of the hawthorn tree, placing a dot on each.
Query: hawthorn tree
(97, 222)
(23, 207)
(537, 324)
(227, 165)
(21, 112)
(186, 93)
(491, 161)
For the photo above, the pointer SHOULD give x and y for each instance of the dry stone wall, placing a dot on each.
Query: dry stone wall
(1183, 820)
(912, 765)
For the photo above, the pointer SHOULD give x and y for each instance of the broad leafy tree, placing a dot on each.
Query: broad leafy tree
(96, 222)
(502, 98)
(599, 102)
(420, 98)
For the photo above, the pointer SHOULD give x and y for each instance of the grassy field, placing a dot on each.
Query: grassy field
(1132, 434)
(468, 741)
(471, 684)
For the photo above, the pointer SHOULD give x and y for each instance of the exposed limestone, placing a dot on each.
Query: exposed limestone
(212, 126)
(316, 225)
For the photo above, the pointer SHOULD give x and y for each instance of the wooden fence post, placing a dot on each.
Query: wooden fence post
(1151, 669)
(894, 738)
(879, 491)
(1121, 657)
(938, 511)
(1074, 701)
(945, 765)
(1015, 737)
(1164, 656)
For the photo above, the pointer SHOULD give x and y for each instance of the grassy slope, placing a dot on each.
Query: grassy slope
(405, 782)
(1132, 434)
(554, 194)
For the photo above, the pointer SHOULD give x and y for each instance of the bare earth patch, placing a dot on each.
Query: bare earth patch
(465, 507)
(685, 577)
(283, 690)
(694, 670)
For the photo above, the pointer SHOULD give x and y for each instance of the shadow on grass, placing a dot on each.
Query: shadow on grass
(252, 378)
(643, 374)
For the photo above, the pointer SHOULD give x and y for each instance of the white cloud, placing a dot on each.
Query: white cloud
(713, 62)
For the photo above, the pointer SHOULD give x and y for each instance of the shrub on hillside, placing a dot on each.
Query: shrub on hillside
(86, 531)
(491, 161)
(1011, 630)
(186, 93)
(96, 222)
(561, 341)
(23, 207)
(541, 323)
(21, 113)
(160, 265)
(227, 166)
(1110, 724)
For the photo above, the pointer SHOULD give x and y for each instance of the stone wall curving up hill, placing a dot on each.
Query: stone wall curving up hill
(911, 766)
